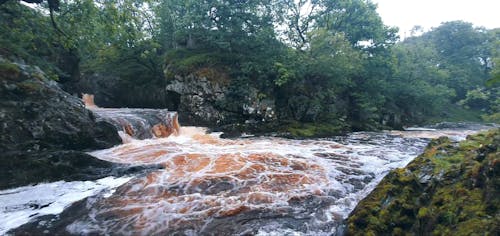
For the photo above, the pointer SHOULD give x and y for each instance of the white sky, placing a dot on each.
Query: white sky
(430, 13)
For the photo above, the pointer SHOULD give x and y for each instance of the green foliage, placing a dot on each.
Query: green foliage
(26, 34)
(465, 52)
(340, 64)
(447, 65)
(359, 21)
(479, 98)
(285, 74)
(494, 117)
(112, 37)
(185, 61)
(324, 62)
(454, 113)
(495, 73)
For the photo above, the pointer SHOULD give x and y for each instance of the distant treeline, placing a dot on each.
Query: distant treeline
(322, 62)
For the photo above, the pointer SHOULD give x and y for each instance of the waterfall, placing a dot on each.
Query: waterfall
(137, 123)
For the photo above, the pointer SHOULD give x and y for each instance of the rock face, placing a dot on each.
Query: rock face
(452, 188)
(198, 99)
(40, 125)
(204, 100)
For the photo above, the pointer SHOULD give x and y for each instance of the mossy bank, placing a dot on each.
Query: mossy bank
(451, 189)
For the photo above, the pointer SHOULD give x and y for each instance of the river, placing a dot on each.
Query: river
(215, 186)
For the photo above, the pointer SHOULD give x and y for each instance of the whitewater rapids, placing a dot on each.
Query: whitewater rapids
(257, 185)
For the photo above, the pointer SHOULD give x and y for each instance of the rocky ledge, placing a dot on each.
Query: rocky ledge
(451, 189)
(44, 131)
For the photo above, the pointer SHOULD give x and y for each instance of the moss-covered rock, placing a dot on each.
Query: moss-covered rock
(9, 70)
(315, 130)
(451, 189)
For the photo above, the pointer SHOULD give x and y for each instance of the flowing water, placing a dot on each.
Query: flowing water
(253, 185)
(139, 123)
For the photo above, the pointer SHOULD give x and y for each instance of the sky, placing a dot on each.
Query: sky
(430, 13)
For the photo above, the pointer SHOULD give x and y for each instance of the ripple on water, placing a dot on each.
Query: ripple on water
(258, 185)
(245, 184)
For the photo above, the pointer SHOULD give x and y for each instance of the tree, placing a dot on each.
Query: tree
(358, 20)
(465, 52)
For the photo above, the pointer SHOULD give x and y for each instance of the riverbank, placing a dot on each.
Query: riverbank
(450, 189)
(254, 185)
(46, 131)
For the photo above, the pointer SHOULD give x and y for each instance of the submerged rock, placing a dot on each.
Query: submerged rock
(451, 188)
(38, 122)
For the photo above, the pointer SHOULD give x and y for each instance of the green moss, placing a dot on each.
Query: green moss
(308, 130)
(460, 199)
(9, 71)
(423, 212)
(470, 144)
(446, 163)
(30, 86)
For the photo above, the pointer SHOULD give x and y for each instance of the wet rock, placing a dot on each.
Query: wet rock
(39, 112)
(446, 190)
(20, 168)
(38, 121)
(140, 123)
(206, 100)
(198, 99)
(237, 221)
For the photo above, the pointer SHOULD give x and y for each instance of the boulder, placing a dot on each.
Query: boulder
(39, 121)
(452, 188)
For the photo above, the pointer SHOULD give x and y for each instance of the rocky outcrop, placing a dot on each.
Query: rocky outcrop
(206, 100)
(198, 99)
(44, 130)
(452, 188)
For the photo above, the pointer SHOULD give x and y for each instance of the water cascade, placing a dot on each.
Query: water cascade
(253, 185)
(136, 123)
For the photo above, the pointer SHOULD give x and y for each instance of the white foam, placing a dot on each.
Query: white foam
(254, 173)
(19, 205)
(349, 168)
